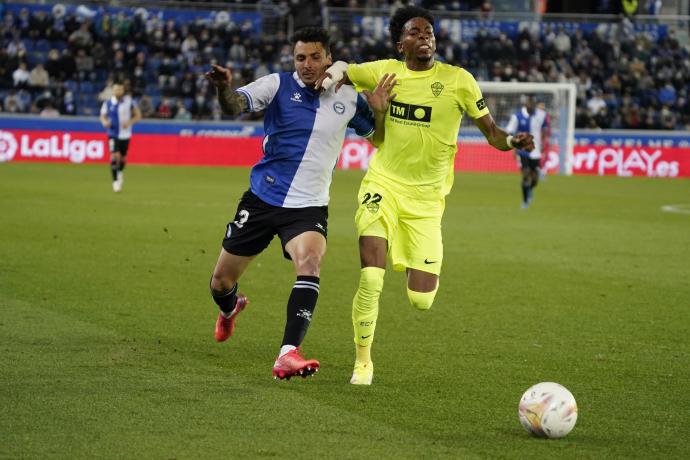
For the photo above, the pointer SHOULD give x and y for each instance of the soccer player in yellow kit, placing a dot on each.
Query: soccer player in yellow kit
(402, 195)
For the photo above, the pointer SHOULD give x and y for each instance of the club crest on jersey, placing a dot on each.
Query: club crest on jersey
(339, 108)
(436, 88)
(297, 97)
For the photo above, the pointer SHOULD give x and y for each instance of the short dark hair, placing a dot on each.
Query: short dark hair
(312, 34)
(401, 16)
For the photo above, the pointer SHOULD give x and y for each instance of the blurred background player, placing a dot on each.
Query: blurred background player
(530, 118)
(289, 187)
(118, 114)
(402, 196)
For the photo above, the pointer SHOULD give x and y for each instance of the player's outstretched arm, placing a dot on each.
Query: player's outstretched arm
(501, 139)
(231, 102)
(379, 100)
(335, 74)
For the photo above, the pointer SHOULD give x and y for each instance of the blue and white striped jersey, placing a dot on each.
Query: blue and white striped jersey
(522, 121)
(119, 112)
(304, 132)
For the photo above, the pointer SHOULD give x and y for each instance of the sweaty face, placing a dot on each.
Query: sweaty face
(417, 40)
(311, 61)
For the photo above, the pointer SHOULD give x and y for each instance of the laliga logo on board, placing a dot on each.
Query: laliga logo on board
(55, 146)
(8, 146)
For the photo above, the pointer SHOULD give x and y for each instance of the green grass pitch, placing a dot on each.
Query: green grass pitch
(106, 332)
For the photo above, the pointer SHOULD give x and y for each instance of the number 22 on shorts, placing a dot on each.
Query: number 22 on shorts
(371, 201)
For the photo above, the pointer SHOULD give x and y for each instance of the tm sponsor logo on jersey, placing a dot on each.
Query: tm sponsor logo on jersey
(55, 146)
(416, 114)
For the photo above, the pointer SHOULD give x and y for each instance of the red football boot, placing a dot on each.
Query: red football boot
(226, 326)
(292, 363)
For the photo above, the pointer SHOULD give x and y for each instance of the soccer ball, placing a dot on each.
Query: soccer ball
(548, 410)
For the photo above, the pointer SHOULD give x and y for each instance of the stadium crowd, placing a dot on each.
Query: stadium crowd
(54, 63)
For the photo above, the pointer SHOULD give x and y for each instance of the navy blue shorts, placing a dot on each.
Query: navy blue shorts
(256, 222)
(116, 145)
(532, 164)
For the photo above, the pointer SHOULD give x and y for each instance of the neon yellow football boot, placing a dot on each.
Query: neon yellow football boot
(363, 373)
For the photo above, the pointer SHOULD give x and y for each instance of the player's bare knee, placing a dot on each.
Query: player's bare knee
(308, 263)
(220, 284)
(421, 300)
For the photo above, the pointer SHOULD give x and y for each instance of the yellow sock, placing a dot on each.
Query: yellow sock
(421, 300)
(363, 354)
(365, 306)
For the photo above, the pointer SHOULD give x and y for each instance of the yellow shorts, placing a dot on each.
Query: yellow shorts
(412, 226)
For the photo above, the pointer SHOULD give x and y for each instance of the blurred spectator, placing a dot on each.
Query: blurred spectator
(182, 113)
(146, 106)
(39, 78)
(201, 109)
(69, 104)
(237, 52)
(16, 46)
(189, 47)
(68, 66)
(596, 103)
(81, 38)
(667, 94)
(164, 109)
(49, 111)
(85, 66)
(20, 77)
(13, 102)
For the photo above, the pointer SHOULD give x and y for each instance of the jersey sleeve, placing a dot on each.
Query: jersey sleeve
(470, 96)
(104, 108)
(363, 121)
(261, 92)
(364, 76)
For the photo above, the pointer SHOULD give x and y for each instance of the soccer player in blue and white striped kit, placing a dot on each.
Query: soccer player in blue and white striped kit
(534, 120)
(289, 186)
(118, 114)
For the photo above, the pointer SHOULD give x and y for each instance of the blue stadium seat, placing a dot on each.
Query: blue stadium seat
(86, 87)
(72, 86)
(43, 46)
(153, 90)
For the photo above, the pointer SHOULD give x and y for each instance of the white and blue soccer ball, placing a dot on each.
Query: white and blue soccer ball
(548, 410)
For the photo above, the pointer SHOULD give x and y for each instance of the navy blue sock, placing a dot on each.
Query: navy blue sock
(525, 191)
(113, 169)
(225, 300)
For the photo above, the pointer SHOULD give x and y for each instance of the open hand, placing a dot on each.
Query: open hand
(380, 98)
(219, 76)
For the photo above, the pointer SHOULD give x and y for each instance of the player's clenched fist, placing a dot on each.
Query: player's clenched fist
(219, 76)
(523, 141)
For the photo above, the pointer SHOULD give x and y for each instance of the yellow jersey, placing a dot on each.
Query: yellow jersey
(422, 122)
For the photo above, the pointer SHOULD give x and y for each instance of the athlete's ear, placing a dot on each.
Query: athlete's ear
(399, 47)
(329, 59)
